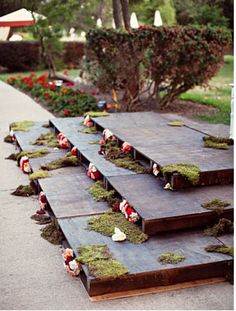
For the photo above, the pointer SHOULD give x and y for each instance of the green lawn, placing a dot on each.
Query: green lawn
(217, 94)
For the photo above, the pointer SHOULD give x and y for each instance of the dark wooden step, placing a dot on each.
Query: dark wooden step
(141, 260)
(154, 141)
(164, 210)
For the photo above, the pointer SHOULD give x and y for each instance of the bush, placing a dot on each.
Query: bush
(20, 56)
(162, 62)
(26, 55)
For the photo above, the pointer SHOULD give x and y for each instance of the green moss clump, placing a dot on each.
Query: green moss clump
(12, 156)
(100, 262)
(216, 205)
(99, 193)
(89, 130)
(175, 123)
(46, 125)
(24, 191)
(130, 164)
(68, 160)
(97, 142)
(96, 114)
(106, 223)
(38, 174)
(21, 126)
(47, 139)
(170, 258)
(189, 171)
(8, 139)
(217, 142)
(223, 249)
(52, 233)
(222, 227)
(37, 153)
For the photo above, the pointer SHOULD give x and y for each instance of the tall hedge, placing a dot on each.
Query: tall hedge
(26, 55)
(162, 62)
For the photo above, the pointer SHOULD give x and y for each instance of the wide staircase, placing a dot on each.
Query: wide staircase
(173, 220)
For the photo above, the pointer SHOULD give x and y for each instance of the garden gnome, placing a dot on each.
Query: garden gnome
(42, 203)
(93, 173)
(155, 169)
(24, 165)
(107, 134)
(12, 135)
(88, 122)
(127, 210)
(63, 141)
(74, 151)
(71, 265)
(126, 147)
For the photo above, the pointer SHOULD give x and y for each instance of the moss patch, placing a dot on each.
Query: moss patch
(97, 142)
(38, 174)
(106, 223)
(100, 262)
(175, 123)
(21, 126)
(46, 125)
(99, 193)
(89, 130)
(8, 139)
(223, 249)
(37, 153)
(24, 191)
(68, 160)
(217, 142)
(170, 258)
(96, 114)
(224, 226)
(130, 164)
(52, 234)
(216, 205)
(12, 156)
(189, 171)
(46, 139)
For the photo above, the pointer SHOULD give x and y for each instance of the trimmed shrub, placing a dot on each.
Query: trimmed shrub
(73, 53)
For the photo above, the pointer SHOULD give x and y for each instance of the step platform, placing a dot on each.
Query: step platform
(154, 141)
(141, 260)
(164, 210)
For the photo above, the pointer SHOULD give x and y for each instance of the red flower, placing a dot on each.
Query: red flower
(94, 93)
(66, 112)
(72, 100)
(46, 94)
(69, 83)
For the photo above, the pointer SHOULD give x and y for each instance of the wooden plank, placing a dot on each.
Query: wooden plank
(163, 210)
(68, 195)
(156, 290)
(145, 271)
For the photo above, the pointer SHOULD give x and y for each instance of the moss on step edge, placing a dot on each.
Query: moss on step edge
(97, 142)
(217, 205)
(21, 126)
(100, 262)
(38, 174)
(46, 139)
(223, 249)
(217, 142)
(189, 171)
(36, 153)
(171, 258)
(68, 160)
(99, 193)
(96, 114)
(106, 223)
(224, 226)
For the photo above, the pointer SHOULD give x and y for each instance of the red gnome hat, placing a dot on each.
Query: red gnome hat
(126, 147)
(93, 173)
(74, 151)
(63, 141)
(24, 165)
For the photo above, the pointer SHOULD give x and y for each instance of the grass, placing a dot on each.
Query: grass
(217, 94)
(46, 139)
(223, 249)
(39, 174)
(217, 205)
(37, 153)
(217, 142)
(21, 126)
(68, 160)
(100, 262)
(106, 223)
(99, 193)
(170, 258)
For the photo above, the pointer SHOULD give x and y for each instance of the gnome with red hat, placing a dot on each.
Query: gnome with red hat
(126, 147)
(88, 122)
(93, 173)
(74, 151)
(63, 141)
(42, 203)
(71, 265)
(127, 210)
(24, 165)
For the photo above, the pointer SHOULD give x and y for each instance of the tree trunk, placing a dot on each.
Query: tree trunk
(116, 13)
(125, 12)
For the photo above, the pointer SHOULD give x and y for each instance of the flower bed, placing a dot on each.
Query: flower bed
(63, 100)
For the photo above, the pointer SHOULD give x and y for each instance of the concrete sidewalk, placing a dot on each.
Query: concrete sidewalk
(31, 269)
